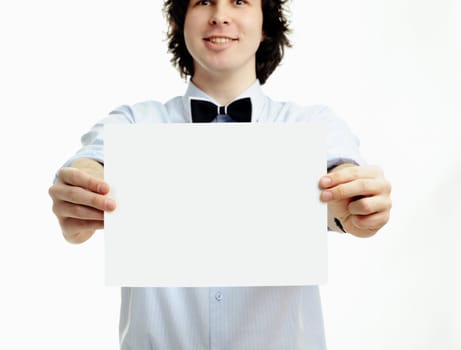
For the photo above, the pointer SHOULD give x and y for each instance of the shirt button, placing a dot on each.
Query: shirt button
(218, 296)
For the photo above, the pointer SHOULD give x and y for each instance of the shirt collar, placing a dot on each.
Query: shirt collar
(254, 91)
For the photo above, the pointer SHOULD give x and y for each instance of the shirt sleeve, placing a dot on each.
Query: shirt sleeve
(342, 144)
(93, 141)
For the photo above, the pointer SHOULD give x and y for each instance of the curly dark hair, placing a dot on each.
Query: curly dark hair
(270, 51)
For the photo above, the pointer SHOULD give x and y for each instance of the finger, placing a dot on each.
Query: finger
(69, 210)
(370, 222)
(349, 174)
(72, 226)
(76, 177)
(370, 205)
(78, 195)
(357, 188)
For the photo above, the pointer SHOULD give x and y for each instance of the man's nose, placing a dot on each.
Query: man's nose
(220, 15)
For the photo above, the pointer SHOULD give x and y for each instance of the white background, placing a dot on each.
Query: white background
(390, 68)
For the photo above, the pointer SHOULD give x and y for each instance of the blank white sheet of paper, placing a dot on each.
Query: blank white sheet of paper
(218, 204)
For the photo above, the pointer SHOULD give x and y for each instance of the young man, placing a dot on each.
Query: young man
(228, 48)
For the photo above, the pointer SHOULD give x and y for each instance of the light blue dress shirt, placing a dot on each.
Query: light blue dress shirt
(223, 318)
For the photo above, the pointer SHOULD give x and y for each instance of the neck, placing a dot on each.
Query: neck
(221, 88)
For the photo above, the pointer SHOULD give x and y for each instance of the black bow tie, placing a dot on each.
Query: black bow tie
(205, 112)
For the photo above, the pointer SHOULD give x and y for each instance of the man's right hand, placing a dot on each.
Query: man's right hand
(80, 199)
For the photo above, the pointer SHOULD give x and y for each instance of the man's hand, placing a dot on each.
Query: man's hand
(357, 196)
(80, 199)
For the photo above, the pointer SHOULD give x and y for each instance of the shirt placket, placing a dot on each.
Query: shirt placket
(217, 302)
(217, 296)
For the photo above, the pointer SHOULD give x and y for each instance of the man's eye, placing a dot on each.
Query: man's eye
(239, 2)
(203, 2)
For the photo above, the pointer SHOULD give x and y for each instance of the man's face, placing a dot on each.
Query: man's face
(223, 36)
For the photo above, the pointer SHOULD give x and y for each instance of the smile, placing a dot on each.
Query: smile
(219, 40)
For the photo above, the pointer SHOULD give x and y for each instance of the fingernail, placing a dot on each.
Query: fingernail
(327, 196)
(325, 181)
(109, 204)
(103, 188)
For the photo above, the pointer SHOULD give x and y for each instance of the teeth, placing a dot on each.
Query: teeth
(220, 40)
